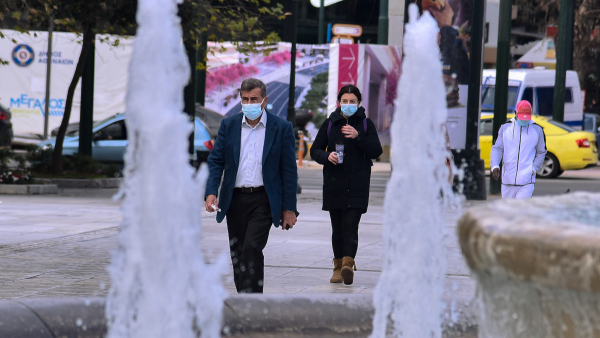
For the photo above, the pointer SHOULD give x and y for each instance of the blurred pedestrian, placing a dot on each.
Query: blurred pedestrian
(255, 152)
(346, 145)
(521, 147)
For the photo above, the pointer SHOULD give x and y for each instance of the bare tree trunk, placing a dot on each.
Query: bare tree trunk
(57, 163)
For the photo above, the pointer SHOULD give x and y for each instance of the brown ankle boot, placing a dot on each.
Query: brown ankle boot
(347, 273)
(337, 271)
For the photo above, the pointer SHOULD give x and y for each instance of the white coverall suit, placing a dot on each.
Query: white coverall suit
(522, 151)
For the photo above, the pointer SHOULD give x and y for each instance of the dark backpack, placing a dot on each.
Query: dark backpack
(331, 123)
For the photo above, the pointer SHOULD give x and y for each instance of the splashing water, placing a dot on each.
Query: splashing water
(408, 296)
(510, 308)
(161, 286)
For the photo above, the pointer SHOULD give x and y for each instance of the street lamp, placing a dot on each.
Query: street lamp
(321, 21)
(502, 66)
(291, 116)
(474, 178)
(48, 74)
(382, 29)
(564, 57)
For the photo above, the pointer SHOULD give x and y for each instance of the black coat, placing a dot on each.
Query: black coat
(347, 185)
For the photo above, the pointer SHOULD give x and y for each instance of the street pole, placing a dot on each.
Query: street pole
(201, 74)
(565, 33)
(48, 76)
(501, 87)
(321, 22)
(474, 178)
(597, 75)
(382, 29)
(189, 92)
(571, 37)
(291, 115)
(86, 114)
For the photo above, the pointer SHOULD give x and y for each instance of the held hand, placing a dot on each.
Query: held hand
(349, 131)
(333, 158)
(288, 219)
(443, 16)
(496, 174)
(210, 200)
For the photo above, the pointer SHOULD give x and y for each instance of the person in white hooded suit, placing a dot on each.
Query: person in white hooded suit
(521, 147)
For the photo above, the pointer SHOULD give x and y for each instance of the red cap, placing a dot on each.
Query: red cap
(524, 110)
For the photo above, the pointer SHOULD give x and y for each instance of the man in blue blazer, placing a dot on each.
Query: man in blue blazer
(256, 152)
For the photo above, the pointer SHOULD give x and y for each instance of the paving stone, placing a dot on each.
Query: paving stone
(57, 246)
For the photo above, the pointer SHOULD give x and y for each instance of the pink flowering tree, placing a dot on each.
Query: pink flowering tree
(210, 82)
(252, 70)
(391, 86)
(228, 75)
(279, 58)
(220, 79)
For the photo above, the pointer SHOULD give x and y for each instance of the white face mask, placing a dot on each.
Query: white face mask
(349, 109)
(252, 110)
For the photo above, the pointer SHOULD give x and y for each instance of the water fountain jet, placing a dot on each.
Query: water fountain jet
(160, 284)
(408, 296)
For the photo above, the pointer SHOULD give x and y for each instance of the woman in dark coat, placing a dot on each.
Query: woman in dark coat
(347, 176)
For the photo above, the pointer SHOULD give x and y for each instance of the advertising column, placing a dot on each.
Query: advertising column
(454, 20)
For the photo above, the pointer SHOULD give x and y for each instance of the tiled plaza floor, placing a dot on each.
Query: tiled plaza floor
(60, 246)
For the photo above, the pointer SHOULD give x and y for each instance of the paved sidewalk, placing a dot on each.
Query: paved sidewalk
(60, 246)
(377, 166)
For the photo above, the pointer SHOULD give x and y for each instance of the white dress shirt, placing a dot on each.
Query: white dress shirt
(249, 172)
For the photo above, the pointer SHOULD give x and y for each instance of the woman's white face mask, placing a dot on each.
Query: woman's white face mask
(349, 109)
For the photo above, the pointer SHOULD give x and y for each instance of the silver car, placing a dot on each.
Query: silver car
(110, 140)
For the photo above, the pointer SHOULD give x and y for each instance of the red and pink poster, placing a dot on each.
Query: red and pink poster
(348, 65)
(375, 70)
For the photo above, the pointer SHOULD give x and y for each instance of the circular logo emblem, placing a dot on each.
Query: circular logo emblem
(23, 55)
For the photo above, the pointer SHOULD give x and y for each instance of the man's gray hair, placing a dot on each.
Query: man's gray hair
(251, 83)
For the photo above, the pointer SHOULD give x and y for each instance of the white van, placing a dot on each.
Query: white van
(537, 87)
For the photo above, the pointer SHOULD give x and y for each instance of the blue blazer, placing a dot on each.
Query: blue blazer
(280, 174)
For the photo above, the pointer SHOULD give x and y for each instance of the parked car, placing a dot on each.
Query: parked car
(212, 119)
(568, 149)
(537, 87)
(591, 123)
(72, 129)
(110, 140)
(6, 130)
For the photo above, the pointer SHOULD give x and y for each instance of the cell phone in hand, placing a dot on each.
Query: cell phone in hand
(287, 226)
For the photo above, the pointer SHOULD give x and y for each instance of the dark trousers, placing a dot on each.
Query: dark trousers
(344, 234)
(249, 221)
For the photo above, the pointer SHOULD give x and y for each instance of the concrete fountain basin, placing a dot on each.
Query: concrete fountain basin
(537, 263)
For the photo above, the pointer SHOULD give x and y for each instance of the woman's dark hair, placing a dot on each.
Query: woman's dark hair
(350, 89)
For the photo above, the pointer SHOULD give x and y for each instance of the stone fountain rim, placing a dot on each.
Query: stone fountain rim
(256, 315)
(559, 254)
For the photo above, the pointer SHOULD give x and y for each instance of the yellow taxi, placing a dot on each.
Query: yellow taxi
(568, 149)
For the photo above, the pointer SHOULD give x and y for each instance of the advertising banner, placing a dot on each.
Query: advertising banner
(227, 69)
(375, 70)
(320, 71)
(453, 18)
(23, 80)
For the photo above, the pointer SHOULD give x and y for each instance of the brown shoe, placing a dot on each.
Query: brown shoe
(337, 271)
(347, 273)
